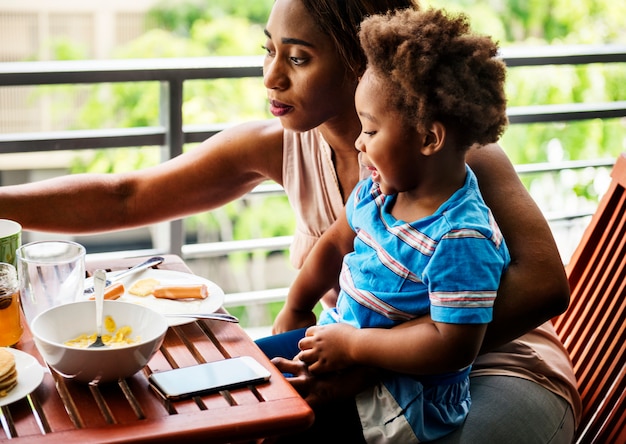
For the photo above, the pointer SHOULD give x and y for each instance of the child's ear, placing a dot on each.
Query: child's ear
(434, 139)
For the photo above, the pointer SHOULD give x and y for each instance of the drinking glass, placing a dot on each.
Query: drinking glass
(51, 273)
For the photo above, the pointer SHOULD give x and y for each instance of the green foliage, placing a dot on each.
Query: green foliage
(136, 104)
(276, 220)
(182, 17)
(177, 19)
(589, 139)
(118, 160)
(65, 49)
(228, 36)
(159, 43)
(543, 21)
(556, 22)
(257, 11)
(251, 218)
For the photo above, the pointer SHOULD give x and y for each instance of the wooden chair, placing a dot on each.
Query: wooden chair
(594, 327)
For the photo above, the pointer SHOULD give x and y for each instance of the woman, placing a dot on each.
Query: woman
(311, 71)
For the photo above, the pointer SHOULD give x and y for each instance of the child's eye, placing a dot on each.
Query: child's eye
(369, 133)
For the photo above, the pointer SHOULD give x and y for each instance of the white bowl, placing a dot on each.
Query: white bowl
(59, 324)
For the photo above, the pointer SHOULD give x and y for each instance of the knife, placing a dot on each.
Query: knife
(215, 316)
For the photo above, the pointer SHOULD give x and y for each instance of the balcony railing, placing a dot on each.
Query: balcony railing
(172, 134)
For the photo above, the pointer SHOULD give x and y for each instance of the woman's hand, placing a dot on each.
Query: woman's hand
(318, 390)
(325, 348)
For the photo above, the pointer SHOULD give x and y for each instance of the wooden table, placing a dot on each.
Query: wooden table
(64, 411)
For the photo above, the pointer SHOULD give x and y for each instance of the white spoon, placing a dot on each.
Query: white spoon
(99, 281)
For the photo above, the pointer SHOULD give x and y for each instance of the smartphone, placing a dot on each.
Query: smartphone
(210, 377)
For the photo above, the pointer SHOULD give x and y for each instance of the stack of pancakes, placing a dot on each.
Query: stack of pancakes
(8, 372)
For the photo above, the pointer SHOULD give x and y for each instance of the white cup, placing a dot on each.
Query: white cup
(51, 273)
(10, 240)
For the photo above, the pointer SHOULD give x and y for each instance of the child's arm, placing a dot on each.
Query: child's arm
(319, 274)
(418, 347)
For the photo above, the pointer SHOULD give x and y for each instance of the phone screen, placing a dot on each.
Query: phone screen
(209, 377)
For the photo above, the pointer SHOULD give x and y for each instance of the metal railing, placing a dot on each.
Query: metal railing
(172, 134)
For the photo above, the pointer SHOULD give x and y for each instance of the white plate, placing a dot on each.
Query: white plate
(29, 376)
(168, 306)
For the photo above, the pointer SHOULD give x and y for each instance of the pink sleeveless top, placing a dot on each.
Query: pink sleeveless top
(310, 182)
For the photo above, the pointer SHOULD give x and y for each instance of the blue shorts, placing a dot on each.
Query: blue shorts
(283, 345)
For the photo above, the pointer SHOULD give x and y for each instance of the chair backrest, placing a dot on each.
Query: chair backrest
(593, 328)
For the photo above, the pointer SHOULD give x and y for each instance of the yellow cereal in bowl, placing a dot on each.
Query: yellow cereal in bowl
(109, 324)
(120, 338)
(123, 335)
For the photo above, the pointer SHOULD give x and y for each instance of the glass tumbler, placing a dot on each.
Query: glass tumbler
(51, 273)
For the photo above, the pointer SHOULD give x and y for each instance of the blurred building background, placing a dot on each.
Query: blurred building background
(29, 27)
(41, 29)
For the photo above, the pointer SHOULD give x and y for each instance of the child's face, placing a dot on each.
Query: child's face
(389, 146)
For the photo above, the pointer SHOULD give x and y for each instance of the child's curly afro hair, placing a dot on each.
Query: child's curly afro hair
(435, 69)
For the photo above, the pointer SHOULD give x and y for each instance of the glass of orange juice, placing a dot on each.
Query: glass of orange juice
(10, 324)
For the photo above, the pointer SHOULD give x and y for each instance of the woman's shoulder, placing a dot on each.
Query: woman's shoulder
(257, 132)
(255, 146)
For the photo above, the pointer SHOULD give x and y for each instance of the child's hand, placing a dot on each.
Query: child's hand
(326, 348)
(287, 320)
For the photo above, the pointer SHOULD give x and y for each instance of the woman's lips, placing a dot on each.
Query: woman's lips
(279, 109)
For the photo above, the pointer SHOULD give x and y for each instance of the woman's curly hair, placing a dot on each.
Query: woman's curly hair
(435, 69)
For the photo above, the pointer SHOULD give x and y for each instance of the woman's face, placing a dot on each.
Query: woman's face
(305, 78)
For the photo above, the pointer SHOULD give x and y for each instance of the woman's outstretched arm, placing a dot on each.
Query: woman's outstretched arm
(221, 169)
